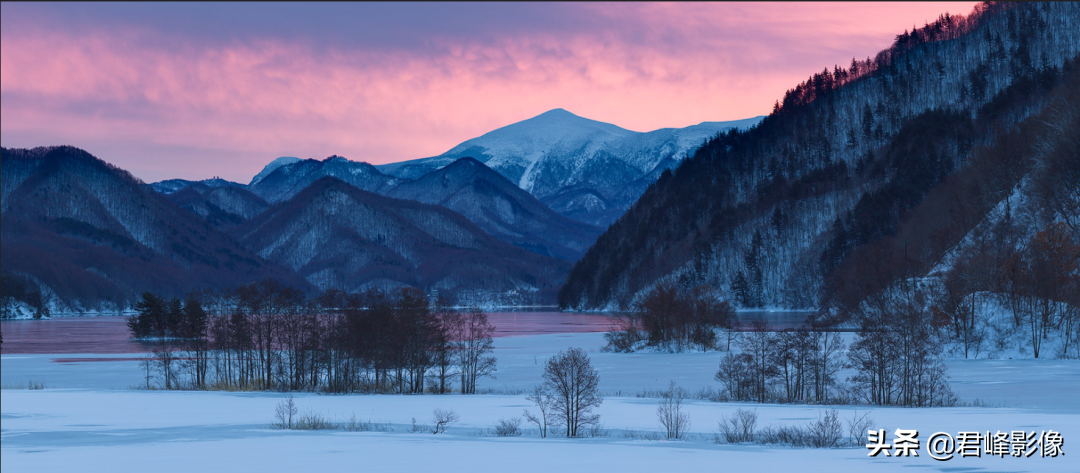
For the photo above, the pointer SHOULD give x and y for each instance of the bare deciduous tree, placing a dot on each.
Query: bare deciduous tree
(284, 413)
(858, 426)
(543, 401)
(760, 344)
(674, 318)
(737, 376)
(670, 412)
(574, 385)
(442, 419)
(474, 344)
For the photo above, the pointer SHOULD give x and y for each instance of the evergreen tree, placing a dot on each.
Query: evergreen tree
(758, 289)
(741, 289)
(148, 318)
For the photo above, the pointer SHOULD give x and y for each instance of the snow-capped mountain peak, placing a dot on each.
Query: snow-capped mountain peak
(583, 169)
(531, 138)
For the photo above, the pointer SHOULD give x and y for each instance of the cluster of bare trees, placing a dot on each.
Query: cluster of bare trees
(791, 366)
(897, 356)
(1041, 286)
(1024, 256)
(673, 318)
(265, 336)
(1037, 281)
(897, 353)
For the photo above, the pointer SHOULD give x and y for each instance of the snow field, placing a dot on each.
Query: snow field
(88, 420)
(117, 431)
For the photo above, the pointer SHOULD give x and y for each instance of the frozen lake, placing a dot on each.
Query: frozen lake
(107, 335)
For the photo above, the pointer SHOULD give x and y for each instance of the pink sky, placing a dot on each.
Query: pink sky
(194, 91)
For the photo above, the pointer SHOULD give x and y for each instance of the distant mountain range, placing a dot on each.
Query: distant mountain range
(175, 185)
(582, 169)
(548, 184)
(91, 237)
(472, 222)
(501, 215)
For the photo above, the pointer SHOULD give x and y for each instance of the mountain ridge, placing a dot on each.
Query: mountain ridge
(337, 235)
(560, 158)
(501, 208)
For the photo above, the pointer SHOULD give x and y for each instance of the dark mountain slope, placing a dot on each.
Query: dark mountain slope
(336, 235)
(94, 237)
(767, 216)
(223, 207)
(501, 208)
(289, 179)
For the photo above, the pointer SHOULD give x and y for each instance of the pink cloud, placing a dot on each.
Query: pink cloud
(166, 107)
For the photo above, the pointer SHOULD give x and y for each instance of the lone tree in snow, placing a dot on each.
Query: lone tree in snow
(543, 401)
(284, 413)
(670, 412)
(442, 419)
(573, 384)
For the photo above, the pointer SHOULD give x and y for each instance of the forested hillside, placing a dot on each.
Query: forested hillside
(224, 207)
(864, 174)
(89, 236)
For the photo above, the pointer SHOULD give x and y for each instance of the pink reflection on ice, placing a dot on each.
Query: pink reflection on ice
(105, 335)
(538, 323)
(69, 335)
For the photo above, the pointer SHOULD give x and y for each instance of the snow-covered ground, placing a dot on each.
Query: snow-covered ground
(88, 419)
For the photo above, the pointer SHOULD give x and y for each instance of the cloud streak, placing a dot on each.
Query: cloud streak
(190, 91)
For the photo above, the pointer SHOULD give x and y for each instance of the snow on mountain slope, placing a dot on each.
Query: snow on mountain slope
(581, 168)
(269, 168)
(516, 149)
